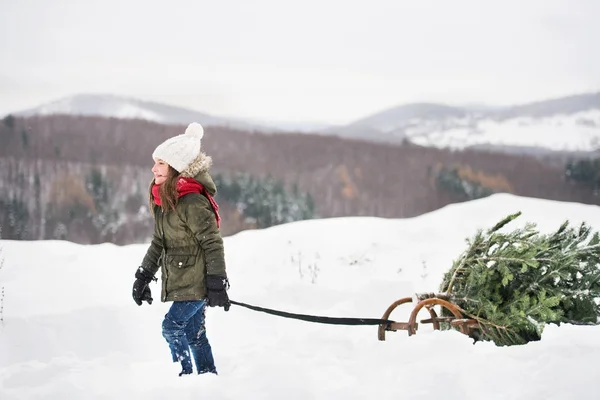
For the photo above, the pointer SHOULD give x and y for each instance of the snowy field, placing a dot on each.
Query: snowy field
(72, 331)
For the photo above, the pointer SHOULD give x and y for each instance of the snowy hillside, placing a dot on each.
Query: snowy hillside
(72, 331)
(122, 107)
(574, 132)
(566, 124)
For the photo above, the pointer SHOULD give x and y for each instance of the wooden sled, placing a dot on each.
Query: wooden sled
(428, 301)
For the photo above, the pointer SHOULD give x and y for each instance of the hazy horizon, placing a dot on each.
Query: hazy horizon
(324, 62)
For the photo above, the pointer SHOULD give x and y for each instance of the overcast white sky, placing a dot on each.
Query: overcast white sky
(310, 60)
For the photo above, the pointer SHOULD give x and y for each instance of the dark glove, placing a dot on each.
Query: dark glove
(141, 291)
(216, 287)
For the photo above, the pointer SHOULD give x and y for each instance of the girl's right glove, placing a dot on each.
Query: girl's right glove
(141, 290)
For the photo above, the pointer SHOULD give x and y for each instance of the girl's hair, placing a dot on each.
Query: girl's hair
(167, 192)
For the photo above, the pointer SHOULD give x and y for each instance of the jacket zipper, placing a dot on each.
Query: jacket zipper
(164, 266)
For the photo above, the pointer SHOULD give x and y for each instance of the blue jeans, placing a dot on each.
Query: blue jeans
(183, 328)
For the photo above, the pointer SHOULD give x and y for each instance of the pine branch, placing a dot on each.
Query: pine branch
(505, 221)
(515, 259)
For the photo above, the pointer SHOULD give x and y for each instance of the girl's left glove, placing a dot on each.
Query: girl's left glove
(216, 287)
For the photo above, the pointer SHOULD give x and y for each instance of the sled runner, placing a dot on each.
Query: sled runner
(451, 315)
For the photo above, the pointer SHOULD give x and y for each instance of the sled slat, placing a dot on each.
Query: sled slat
(395, 326)
(438, 319)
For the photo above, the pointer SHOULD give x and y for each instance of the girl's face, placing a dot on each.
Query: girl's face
(160, 171)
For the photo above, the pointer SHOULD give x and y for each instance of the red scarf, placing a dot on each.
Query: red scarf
(186, 186)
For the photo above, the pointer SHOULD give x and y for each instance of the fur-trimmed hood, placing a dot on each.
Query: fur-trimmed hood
(202, 163)
(199, 170)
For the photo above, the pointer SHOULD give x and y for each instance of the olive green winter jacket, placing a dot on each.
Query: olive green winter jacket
(186, 245)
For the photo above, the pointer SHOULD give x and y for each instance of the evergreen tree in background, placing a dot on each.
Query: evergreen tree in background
(101, 191)
(586, 172)
(515, 283)
(265, 200)
(25, 138)
(9, 121)
(98, 188)
(15, 221)
(450, 180)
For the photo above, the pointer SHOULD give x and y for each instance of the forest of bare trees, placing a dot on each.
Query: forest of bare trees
(86, 179)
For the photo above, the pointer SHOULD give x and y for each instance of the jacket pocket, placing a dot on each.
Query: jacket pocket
(181, 260)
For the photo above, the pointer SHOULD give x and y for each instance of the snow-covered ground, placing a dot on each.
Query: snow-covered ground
(72, 331)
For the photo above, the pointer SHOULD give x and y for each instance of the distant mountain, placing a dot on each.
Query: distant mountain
(123, 107)
(565, 124)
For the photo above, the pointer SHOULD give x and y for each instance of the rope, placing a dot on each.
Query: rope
(315, 318)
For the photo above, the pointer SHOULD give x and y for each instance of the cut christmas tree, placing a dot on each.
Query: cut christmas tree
(514, 283)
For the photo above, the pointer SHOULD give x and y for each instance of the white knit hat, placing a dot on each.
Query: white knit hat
(182, 150)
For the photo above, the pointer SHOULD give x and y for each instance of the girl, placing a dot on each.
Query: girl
(186, 246)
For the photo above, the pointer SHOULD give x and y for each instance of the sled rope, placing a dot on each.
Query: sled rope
(316, 318)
